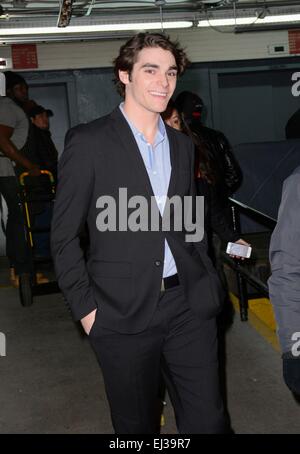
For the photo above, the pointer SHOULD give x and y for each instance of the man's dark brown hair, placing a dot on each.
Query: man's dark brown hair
(129, 53)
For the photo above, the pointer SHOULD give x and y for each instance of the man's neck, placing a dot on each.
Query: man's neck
(145, 121)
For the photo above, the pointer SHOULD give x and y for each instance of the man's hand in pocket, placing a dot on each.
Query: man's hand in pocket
(88, 321)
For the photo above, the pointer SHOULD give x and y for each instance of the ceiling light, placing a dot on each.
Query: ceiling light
(249, 20)
(93, 28)
(279, 19)
(226, 22)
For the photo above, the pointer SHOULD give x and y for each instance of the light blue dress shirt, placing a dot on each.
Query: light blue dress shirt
(157, 161)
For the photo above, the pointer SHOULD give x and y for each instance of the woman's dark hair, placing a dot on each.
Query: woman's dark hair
(129, 53)
(189, 104)
(202, 161)
(169, 110)
(186, 103)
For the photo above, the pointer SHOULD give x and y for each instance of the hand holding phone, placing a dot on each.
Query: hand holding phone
(239, 250)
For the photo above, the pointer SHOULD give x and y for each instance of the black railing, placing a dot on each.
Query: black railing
(239, 207)
(243, 275)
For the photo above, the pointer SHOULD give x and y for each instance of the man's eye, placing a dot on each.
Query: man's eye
(172, 73)
(150, 71)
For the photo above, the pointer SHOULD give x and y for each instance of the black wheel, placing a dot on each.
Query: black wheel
(25, 289)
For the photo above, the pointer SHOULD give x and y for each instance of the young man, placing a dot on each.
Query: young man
(147, 298)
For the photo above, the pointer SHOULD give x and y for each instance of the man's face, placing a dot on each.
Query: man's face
(41, 120)
(20, 92)
(152, 80)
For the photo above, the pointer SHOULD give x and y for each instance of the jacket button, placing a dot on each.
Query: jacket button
(157, 262)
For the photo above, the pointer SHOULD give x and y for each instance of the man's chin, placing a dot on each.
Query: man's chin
(157, 111)
(158, 108)
(162, 108)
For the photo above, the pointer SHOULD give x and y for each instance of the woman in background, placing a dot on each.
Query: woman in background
(216, 221)
(206, 178)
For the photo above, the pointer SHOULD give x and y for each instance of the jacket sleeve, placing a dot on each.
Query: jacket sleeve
(284, 283)
(194, 207)
(218, 219)
(75, 186)
(232, 170)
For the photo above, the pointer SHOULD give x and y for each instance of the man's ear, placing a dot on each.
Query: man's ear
(124, 77)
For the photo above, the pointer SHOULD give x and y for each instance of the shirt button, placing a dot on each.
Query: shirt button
(157, 262)
(154, 173)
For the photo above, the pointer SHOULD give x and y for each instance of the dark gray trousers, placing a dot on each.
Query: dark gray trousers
(185, 347)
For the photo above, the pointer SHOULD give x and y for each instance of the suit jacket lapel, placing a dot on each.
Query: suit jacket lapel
(124, 134)
(174, 162)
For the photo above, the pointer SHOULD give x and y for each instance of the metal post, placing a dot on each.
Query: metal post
(241, 281)
(243, 296)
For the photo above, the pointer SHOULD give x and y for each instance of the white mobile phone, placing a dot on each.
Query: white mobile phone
(239, 249)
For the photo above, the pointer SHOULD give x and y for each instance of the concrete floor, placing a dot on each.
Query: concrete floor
(51, 382)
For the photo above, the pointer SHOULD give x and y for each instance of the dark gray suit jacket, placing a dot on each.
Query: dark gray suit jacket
(284, 283)
(122, 274)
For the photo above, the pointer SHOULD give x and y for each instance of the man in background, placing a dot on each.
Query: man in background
(14, 127)
(41, 148)
(42, 151)
(284, 283)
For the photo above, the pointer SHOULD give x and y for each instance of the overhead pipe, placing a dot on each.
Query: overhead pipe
(90, 8)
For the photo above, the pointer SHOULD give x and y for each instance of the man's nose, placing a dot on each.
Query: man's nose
(164, 80)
